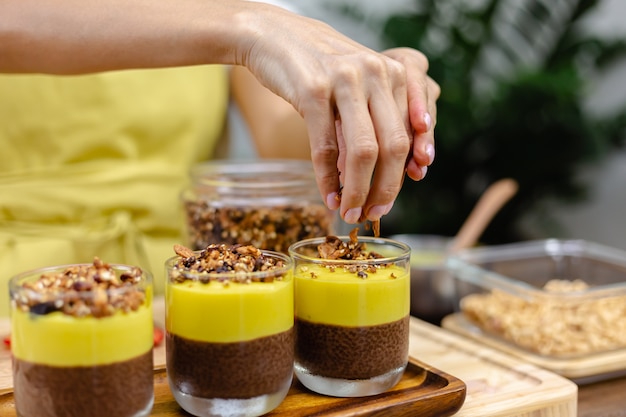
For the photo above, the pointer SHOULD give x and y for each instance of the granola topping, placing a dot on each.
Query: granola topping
(83, 290)
(226, 264)
(333, 248)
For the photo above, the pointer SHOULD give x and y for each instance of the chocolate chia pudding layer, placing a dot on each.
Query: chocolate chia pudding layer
(230, 370)
(352, 352)
(121, 389)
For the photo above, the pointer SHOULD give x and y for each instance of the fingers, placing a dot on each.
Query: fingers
(325, 152)
(381, 127)
(374, 138)
(361, 148)
(422, 94)
(389, 114)
(424, 141)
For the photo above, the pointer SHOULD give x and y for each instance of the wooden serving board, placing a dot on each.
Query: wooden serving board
(422, 391)
(582, 370)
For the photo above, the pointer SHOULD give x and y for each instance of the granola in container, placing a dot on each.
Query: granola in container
(269, 204)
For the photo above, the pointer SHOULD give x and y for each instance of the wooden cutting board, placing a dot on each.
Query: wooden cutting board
(497, 385)
(582, 370)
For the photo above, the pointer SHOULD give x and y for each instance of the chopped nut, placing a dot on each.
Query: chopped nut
(183, 252)
(376, 227)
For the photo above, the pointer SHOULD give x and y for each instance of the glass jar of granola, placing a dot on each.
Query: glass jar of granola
(266, 203)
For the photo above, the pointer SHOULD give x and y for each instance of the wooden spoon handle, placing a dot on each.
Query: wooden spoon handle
(492, 200)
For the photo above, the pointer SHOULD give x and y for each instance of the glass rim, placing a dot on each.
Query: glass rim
(282, 271)
(404, 251)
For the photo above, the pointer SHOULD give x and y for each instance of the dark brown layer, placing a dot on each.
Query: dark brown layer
(230, 370)
(121, 389)
(351, 352)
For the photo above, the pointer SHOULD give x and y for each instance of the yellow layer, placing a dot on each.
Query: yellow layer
(61, 340)
(341, 298)
(215, 313)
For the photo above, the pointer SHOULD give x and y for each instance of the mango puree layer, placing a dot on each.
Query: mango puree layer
(58, 339)
(222, 314)
(342, 298)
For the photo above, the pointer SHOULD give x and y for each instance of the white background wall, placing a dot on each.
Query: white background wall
(602, 218)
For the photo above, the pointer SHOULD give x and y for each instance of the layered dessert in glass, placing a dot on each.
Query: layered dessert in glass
(81, 341)
(352, 300)
(229, 329)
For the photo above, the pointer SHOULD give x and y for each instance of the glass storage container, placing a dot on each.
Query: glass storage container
(266, 203)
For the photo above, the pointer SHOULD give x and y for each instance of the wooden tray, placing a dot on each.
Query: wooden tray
(582, 370)
(422, 391)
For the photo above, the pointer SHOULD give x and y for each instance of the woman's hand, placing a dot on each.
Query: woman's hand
(370, 115)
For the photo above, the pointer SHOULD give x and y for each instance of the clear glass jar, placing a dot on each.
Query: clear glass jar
(266, 203)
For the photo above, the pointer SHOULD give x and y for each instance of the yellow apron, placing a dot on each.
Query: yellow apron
(93, 165)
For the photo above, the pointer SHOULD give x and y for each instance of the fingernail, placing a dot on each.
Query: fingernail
(430, 151)
(333, 201)
(428, 121)
(424, 171)
(376, 212)
(352, 215)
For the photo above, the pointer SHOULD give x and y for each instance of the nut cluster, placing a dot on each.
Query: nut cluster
(83, 290)
(552, 326)
(333, 248)
(225, 263)
(270, 228)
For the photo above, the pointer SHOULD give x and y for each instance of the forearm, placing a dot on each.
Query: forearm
(80, 36)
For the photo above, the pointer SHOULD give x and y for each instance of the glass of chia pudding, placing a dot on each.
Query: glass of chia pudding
(81, 341)
(352, 301)
(229, 329)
